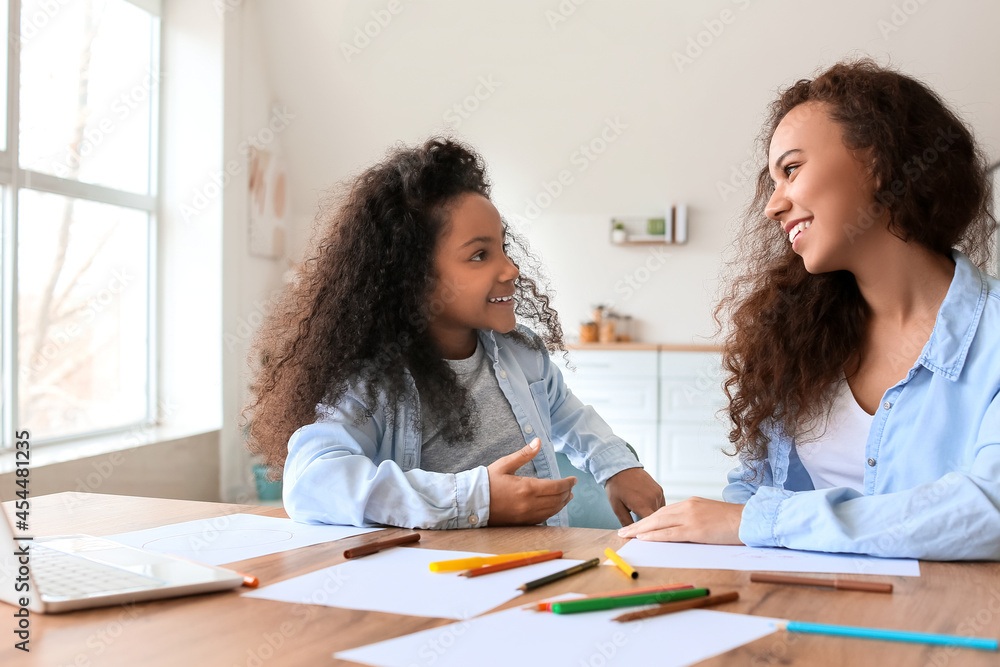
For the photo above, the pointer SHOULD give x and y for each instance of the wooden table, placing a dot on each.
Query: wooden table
(226, 629)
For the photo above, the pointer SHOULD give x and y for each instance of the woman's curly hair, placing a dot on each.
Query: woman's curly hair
(357, 316)
(790, 333)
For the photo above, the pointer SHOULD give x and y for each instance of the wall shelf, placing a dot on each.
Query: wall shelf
(635, 228)
(645, 239)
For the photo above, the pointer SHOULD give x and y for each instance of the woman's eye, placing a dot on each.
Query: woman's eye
(788, 169)
(479, 256)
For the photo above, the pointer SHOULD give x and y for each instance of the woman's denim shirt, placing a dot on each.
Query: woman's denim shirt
(932, 460)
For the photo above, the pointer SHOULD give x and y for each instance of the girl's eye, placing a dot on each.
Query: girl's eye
(788, 169)
(479, 256)
(506, 247)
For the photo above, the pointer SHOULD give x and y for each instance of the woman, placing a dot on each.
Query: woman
(863, 359)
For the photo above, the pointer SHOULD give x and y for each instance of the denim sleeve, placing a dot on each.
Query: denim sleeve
(331, 477)
(745, 480)
(580, 433)
(956, 517)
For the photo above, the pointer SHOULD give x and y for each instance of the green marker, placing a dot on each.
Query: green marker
(597, 604)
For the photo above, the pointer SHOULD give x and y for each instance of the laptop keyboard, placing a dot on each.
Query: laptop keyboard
(64, 575)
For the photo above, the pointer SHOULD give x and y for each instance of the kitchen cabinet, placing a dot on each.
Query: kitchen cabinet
(666, 403)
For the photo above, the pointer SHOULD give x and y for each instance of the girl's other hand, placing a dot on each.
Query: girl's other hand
(692, 520)
(633, 490)
(524, 501)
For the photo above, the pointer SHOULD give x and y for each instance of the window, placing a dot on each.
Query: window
(79, 217)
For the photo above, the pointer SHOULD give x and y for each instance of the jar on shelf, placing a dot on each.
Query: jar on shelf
(606, 332)
(588, 332)
(625, 329)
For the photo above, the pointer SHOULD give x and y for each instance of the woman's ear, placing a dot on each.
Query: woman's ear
(871, 168)
(876, 177)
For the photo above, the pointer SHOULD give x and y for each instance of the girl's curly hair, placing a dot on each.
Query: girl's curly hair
(357, 315)
(791, 333)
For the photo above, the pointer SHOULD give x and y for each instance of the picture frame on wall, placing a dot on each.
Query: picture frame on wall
(267, 202)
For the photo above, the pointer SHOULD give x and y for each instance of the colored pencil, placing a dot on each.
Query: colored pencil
(479, 561)
(890, 635)
(562, 574)
(620, 563)
(547, 606)
(600, 604)
(374, 547)
(840, 584)
(670, 607)
(511, 564)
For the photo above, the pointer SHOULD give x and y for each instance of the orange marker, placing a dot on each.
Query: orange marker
(249, 580)
(511, 564)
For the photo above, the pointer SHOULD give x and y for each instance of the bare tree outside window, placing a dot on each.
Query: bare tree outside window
(88, 86)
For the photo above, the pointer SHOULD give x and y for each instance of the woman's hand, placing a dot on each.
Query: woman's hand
(524, 501)
(692, 520)
(633, 490)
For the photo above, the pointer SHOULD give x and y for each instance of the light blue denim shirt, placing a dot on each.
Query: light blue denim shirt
(932, 468)
(344, 471)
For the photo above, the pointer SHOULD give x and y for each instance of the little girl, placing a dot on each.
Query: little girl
(396, 386)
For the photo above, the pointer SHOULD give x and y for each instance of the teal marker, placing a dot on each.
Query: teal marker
(890, 635)
(597, 604)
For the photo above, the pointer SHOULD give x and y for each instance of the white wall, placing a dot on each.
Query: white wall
(248, 282)
(554, 84)
(189, 241)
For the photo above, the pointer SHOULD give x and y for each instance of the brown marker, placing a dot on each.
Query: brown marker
(375, 547)
(840, 584)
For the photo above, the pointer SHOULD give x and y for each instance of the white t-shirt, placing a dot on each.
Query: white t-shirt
(837, 457)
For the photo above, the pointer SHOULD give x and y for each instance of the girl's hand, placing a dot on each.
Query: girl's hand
(692, 520)
(633, 490)
(524, 501)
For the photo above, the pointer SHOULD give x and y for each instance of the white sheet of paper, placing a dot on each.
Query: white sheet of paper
(399, 581)
(234, 537)
(719, 557)
(527, 638)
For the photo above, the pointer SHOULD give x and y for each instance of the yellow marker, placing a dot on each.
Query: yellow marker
(622, 565)
(479, 561)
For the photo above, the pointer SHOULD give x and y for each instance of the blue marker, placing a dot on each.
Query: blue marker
(891, 635)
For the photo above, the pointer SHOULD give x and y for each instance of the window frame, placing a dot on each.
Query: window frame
(13, 178)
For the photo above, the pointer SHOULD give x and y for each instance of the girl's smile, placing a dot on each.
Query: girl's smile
(503, 300)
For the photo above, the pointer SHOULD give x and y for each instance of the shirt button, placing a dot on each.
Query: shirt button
(473, 519)
(528, 429)
(886, 405)
(871, 462)
(503, 374)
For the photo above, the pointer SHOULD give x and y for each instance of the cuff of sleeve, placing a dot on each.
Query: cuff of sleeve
(611, 460)
(472, 490)
(760, 517)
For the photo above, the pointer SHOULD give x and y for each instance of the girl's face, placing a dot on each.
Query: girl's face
(475, 278)
(822, 192)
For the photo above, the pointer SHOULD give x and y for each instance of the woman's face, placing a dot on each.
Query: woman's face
(823, 192)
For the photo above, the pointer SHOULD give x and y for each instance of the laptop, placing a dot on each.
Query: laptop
(69, 572)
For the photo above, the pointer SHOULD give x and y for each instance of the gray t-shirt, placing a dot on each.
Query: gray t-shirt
(497, 434)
